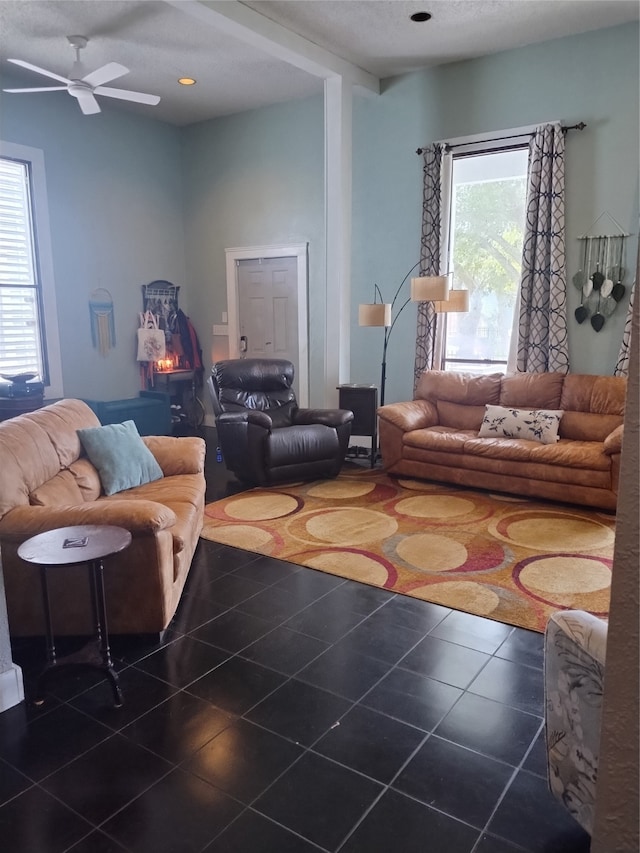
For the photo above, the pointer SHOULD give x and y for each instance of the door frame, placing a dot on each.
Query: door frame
(300, 251)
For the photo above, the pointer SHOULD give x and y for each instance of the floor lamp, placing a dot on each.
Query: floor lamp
(430, 288)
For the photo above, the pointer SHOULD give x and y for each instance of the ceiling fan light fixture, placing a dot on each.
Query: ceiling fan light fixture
(82, 86)
(420, 17)
(186, 81)
(78, 42)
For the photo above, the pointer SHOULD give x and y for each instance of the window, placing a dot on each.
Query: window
(486, 231)
(21, 344)
(28, 319)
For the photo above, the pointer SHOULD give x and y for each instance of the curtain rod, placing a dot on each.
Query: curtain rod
(580, 126)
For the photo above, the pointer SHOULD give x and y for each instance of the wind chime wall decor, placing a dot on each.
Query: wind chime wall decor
(600, 279)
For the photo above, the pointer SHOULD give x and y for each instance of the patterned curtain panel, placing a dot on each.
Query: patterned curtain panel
(622, 365)
(429, 256)
(542, 326)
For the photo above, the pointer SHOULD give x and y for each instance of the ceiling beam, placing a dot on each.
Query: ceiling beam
(246, 25)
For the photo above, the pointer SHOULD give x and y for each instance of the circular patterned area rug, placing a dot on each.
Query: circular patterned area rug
(516, 561)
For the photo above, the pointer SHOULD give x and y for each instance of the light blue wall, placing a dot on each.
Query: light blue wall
(591, 78)
(133, 199)
(255, 179)
(115, 196)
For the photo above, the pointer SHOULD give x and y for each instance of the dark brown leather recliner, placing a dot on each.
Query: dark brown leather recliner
(264, 437)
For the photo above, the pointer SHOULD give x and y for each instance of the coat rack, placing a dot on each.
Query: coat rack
(600, 277)
(160, 297)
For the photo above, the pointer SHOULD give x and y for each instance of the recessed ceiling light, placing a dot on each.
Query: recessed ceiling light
(420, 16)
(186, 81)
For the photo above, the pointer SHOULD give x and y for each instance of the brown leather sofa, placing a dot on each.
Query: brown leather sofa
(435, 436)
(47, 482)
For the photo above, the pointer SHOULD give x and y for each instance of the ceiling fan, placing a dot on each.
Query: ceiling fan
(85, 87)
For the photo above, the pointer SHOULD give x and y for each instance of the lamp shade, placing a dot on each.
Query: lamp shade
(374, 314)
(458, 301)
(430, 288)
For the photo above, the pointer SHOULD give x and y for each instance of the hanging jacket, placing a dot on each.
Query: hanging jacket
(190, 344)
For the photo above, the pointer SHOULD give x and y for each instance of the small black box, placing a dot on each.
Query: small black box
(32, 388)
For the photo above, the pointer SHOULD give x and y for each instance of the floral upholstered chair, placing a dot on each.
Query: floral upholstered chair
(574, 658)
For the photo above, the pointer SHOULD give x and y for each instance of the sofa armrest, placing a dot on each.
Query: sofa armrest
(581, 631)
(574, 656)
(328, 417)
(414, 414)
(256, 417)
(242, 437)
(184, 455)
(613, 442)
(139, 516)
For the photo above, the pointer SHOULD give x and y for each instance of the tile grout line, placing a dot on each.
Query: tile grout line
(517, 770)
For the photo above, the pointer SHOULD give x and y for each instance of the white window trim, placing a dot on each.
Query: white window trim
(35, 156)
(477, 144)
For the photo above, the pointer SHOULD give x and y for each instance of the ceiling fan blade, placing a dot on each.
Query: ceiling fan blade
(39, 70)
(88, 103)
(43, 89)
(105, 74)
(127, 95)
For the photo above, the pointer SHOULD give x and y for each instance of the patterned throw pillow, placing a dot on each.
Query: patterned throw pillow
(539, 425)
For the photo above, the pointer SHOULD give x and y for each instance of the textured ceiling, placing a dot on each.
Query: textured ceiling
(379, 36)
(161, 41)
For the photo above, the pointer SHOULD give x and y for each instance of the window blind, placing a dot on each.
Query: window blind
(20, 337)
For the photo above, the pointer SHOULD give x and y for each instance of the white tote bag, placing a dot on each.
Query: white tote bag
(151, 340)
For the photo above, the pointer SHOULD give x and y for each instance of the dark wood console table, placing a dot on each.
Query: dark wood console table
(12, 406)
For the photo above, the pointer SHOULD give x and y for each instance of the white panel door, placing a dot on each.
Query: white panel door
(268, 308)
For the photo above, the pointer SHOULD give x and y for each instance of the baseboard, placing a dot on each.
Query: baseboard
(11, 688)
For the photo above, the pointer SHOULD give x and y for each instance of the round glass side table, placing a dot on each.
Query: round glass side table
(90, 544)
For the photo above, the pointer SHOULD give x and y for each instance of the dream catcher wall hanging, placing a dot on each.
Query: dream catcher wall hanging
(600, 279)
(103, 328)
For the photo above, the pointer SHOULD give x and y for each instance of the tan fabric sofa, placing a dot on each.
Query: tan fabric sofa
(47, 482)
(435, 436)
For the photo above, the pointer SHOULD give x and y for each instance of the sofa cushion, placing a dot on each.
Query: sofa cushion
(186, 488)
(184, 455)
(87, 478)
(587, 426)
(61, 422)
(61, 490)
(459, 416)
(593, 406)
(601, 395)
(121, 457)
(504, 469)
(441, 438)
(531, 390)
(539, 425)
(586, 455)
(468, 388)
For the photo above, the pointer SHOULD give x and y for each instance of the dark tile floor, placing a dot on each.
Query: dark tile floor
(289, 711)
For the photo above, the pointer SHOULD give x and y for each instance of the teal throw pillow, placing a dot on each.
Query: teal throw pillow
(122, 458)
